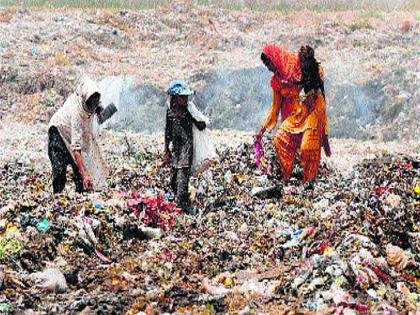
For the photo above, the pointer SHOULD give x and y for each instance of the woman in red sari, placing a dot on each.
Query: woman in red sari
(304, 123)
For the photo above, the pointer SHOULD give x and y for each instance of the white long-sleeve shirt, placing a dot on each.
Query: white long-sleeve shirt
(76, 126)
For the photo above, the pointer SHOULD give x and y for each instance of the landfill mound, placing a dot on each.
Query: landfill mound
(256, 246)
(370, 60)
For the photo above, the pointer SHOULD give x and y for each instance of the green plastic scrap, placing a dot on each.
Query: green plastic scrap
(43, 226)
(5, 308)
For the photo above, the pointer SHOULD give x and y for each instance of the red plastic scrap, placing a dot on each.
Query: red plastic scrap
(166, 255)
(379, 191)
(154, 211)
(380, 274)
(409, 166)
(102, 257)
(323, 246)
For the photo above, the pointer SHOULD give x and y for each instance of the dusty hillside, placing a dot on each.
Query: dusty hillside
(370, 59)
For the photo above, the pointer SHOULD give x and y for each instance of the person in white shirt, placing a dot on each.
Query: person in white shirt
(71, 140)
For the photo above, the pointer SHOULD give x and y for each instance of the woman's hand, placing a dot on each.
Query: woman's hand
(87, 183)
(258, 136)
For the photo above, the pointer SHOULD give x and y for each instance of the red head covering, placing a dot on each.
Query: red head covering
(287, 64)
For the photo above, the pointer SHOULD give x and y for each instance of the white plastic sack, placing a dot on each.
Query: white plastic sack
(204, 151)
(95, 165)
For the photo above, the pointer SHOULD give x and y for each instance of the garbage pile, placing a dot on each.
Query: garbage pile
(348, 245)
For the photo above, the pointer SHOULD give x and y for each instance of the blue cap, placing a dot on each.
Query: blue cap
(179, 87)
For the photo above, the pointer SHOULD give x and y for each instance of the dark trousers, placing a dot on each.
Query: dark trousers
(179, 183)
(60, 158)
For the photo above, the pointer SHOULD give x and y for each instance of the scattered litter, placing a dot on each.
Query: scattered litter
(51, 280)
(343, 245)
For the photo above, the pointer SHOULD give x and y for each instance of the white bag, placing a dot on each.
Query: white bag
(204, 151)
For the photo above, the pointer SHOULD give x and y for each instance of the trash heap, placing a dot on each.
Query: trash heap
(348, 245)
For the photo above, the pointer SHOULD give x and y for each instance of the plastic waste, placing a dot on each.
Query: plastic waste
(5, 308)
(51, 280)
(204, 151)
(3, 224)
(312, 305)
(393, 200)
(322, 204)
(154, 211)
(261, 288)
(214, 289)
(228, 283)
(260, 160)
(373, 294)
(397, 257)
(328, 263)
(43, 226)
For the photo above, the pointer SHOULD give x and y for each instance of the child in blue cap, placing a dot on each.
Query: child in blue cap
(179, 132)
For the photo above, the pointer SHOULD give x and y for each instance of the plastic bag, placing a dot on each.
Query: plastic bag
(95, 164)
(51, 280)
(259, 157)
(214, 289)
(204, 151)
